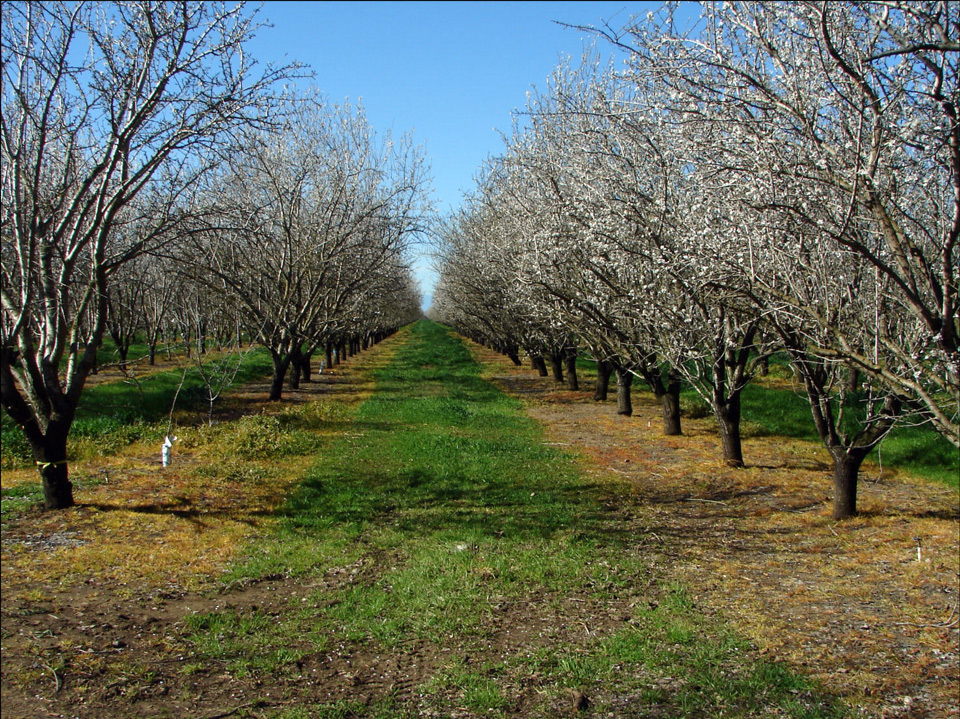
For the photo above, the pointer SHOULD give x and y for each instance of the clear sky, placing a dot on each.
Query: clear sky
(449, 72)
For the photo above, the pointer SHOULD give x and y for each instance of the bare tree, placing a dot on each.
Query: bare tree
(307, 216)
(101, 103)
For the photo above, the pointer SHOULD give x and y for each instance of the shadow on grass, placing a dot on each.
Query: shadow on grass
(420, 503)
(183, 510)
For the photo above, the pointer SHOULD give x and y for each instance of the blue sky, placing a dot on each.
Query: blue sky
(449, 72)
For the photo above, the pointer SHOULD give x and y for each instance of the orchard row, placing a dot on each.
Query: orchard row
(776, 178)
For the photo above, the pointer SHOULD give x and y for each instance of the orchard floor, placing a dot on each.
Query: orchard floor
(851, 604)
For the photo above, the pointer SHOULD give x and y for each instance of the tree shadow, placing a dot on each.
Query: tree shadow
(184, 510)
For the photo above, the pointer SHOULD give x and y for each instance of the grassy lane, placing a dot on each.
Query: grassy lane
(455, 565)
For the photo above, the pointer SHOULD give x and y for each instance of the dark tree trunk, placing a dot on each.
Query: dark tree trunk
(556, 364)
(667, 395)
(728, 418)
(513, 354)
(540, 365)
(570, 361)
(846, 471)
(670, 406)
(51, 459)
(57, 488)
(847, 452)
(306, 369)
(604, 370)
(328, 351)
(624, 401)
(279, 373)
(730, 360)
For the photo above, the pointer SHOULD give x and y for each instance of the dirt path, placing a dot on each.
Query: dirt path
(848, 603)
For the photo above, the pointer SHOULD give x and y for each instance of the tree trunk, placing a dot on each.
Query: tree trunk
(570, 360)
(604, 370)
(556, 364)
(728, 417)
(57, 488)
(122, 351)
(847, 457)
(670, 406)
(279, 372)
(306, 370)
(512, 353)
(294, 379)
(846, 471)
(540, 365)
(328, 351)
(624, 402)
(51, 459)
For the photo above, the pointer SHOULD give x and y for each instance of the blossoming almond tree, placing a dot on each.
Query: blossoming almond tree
(828, 135)
(100, 101)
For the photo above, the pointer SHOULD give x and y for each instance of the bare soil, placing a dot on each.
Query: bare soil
(851, 604)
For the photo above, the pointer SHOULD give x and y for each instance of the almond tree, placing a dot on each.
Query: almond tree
(597, 194)
(825, 138)
(99, 100)
(307, 214)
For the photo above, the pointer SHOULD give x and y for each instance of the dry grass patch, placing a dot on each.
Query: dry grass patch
(145, 529)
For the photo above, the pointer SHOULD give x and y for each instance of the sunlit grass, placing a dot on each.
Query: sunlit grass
(439, 510)
(114, 414)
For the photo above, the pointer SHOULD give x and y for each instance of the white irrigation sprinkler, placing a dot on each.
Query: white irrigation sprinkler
(165, 450)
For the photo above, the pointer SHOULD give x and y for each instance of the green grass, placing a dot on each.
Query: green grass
(112, 415)
(439, 512)
(149, 398)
